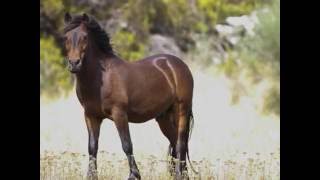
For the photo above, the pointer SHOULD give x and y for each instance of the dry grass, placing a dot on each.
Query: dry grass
(220, 131)
(72, 166)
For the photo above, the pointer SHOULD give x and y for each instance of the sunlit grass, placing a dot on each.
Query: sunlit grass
(72, 166)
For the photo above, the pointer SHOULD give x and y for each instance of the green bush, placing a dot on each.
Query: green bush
(55, 79)
(127, 46)
(215, 11)
(259, 57)
(178, 19)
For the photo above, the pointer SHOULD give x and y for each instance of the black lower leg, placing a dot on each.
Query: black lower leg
(134, 172)
(172, 158)
(93, 126)
(181, 158)
(123, 130)
(127, 148)
(92, 169)
(181, 150)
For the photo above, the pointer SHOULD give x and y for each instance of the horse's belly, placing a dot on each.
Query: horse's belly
(143, 112)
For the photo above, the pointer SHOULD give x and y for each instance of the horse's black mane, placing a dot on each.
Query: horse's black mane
(100, 36)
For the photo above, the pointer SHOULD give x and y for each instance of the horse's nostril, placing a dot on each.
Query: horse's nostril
(77, 62)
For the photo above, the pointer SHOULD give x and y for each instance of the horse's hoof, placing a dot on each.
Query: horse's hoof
(92, 176)
(134, 175)
(181, 177)
(134, 178)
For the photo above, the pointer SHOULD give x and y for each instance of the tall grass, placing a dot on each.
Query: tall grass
(72, 166)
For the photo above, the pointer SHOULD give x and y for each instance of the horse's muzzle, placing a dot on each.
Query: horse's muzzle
(74, 66)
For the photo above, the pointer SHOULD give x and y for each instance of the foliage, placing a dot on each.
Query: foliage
(128, 40)
(258, 58)
(215, 11)
(54, 80)
(133, 23)
(52, 7)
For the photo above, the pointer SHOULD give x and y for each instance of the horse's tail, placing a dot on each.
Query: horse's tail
(190, 128)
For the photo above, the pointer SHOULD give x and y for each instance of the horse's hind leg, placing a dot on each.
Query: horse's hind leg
(166, 124)
(182, 140)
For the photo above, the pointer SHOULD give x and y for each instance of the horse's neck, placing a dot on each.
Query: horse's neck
(90, 76)
(90, 72)
(89, 80)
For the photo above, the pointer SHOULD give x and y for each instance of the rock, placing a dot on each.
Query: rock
(94, 3)
(224, 29)
(161, 44)
(246, 22)
(236, 27)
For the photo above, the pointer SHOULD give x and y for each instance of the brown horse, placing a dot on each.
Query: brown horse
(159, 87)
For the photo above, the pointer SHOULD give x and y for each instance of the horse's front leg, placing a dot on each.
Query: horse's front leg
(121, 121)
(93, 126)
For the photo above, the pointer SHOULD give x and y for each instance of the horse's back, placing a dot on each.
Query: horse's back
(177, 72)
(173, 62)
(181, 73)
(169, 57)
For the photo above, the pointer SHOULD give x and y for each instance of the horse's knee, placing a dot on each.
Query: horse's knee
(93, 147)
(127, 147)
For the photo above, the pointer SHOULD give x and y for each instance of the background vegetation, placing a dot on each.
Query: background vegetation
(244, 143)
(189, 23)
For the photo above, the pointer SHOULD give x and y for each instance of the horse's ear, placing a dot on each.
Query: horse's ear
(85, 17)
(67, 18)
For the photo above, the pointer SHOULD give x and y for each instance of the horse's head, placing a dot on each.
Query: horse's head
(75, 41)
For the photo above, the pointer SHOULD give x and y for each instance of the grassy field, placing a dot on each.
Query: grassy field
(72, 166)
(229, 142)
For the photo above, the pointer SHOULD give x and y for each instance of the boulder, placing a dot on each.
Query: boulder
(162, 44)
(236, 27)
